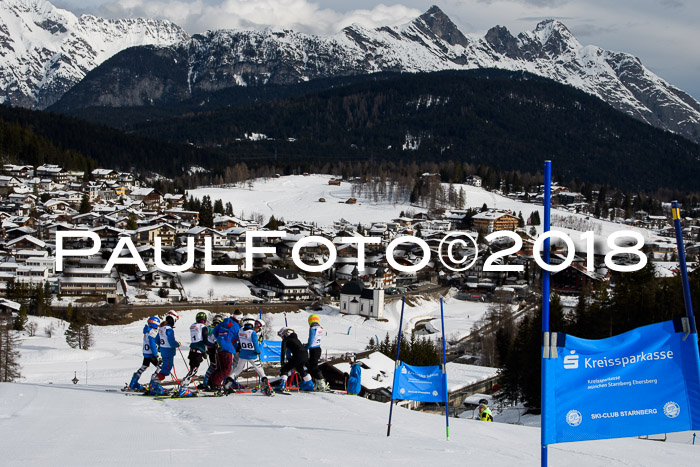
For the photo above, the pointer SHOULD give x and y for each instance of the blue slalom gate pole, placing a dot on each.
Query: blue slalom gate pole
(444, 373)
(675, 210)
(396, 367)
(260, 313)
(545, 302)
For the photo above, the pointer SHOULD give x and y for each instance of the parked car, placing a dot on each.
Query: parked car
(259, 300)
(232, 302)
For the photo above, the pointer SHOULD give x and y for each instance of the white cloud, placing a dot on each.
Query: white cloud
(300, 15)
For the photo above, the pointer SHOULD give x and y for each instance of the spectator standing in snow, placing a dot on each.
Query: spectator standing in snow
(354, 385)
(484, 411)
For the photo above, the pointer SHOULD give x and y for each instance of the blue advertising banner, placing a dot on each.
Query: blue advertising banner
(645, 381)
(419, 383)
(271, 351)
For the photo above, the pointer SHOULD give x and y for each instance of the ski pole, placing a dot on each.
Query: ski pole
(183, 359)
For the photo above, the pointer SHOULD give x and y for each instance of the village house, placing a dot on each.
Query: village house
(52, 172)
(200, 233)
(493, 220)
(282, 284)
(473, 180)
(146, 235)
(150, 197)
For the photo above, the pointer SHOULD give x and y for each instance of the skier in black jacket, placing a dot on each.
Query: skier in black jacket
(296, 355)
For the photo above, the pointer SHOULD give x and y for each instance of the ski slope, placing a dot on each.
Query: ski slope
(44, 425)
(45, 420)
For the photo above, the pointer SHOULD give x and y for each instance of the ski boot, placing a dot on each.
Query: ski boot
(307, 385)
(230, 386)
(265, 384)
(155, 389)
(282, 387)
(134, 384)
(322, 386)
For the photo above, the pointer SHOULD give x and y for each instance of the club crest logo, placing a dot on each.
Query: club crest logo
(574, 418)
(402, 391)
(435, 393)
(404, 370)
(671, 409)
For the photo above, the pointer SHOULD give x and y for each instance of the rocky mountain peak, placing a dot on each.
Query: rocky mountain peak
(502, 41)
(437, 23)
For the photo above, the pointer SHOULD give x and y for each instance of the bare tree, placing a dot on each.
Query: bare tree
(210, 293)
(31, 328)
(50, 330)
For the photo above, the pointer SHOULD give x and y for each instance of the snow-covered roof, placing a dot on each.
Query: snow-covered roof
(378, 374)
(460, 375)
(298, 281)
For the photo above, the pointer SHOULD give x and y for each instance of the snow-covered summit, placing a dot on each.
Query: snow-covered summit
(45, 50)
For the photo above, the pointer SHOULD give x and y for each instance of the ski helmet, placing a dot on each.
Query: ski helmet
(217, 319)
(313, 319)
(201, 317)
(259, 323)
(173, 315)
(350, 356)
(154, 322)
(285, 331)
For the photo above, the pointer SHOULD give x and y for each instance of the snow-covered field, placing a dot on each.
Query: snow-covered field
(198, 286)
(296, 198)
(46, 420)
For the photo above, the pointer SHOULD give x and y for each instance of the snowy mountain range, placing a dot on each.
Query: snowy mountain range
(44, 50)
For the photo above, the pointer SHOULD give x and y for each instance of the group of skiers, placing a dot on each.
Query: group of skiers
(229, 344)
(234, 342)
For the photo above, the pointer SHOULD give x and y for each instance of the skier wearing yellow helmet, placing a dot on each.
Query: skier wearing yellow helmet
(316, 334)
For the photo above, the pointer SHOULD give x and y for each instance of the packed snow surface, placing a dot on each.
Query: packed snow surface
(45, 420)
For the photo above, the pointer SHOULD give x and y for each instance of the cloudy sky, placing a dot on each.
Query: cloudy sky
(664, 34)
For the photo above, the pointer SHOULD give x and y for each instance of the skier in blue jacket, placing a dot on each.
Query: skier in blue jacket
(226, 335)
(150, 351)
(355, 379)
(168, 347)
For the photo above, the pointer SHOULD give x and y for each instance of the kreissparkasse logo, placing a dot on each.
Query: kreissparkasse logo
(571, 361)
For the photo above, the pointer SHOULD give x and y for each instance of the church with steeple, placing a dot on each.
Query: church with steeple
(356, 299)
